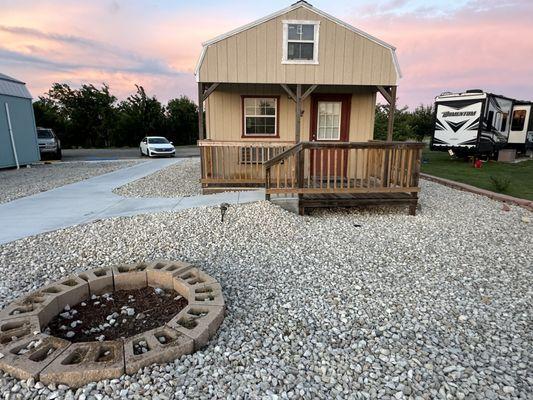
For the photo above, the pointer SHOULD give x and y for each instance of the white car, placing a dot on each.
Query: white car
(156, 146)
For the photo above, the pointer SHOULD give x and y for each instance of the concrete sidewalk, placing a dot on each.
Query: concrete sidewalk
(93, 199)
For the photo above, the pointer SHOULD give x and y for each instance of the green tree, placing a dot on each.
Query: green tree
(139, 116)
(408, 125)
(48, 115)
(182, 121)
(422, 121)
(89, 113)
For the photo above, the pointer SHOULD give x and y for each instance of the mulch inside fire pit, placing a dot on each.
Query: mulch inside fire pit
(116, 315)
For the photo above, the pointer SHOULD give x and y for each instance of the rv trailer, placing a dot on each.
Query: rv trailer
(471, 123)
(521, 133)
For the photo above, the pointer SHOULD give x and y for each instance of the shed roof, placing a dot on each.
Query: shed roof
(296, 5)
(13, 87)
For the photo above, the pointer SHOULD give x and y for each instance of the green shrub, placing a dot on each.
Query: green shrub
(501, 183)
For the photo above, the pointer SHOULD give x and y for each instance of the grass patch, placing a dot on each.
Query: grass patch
(511, 179)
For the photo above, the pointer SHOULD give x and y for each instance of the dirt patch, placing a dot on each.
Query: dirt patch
(116, 315)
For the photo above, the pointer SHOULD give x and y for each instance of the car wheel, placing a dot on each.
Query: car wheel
(148, 153)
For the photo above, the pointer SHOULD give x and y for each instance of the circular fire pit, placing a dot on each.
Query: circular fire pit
(102, 323)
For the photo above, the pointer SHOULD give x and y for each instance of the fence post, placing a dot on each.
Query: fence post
(300, 160)
(267, 183)
(416, 178)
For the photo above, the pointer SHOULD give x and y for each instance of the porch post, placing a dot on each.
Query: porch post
(200, 111)
(298, 112)
(392, 108)
(298, 99)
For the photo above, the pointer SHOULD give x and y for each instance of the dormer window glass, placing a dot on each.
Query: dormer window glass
(300, 42)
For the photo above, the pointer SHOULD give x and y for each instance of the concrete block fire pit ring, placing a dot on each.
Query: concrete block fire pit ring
(27, 351)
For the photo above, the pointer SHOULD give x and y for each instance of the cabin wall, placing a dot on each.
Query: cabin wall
(224, 115)
(254, 56)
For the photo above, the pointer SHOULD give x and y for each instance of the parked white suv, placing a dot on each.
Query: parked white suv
(49, 144)
(156, 146)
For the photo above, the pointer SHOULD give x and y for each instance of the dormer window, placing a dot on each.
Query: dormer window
(300, 42)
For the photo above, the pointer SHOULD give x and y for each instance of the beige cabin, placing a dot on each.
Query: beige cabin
(296, 76)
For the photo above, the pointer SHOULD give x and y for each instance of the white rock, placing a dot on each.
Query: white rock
(417, 276)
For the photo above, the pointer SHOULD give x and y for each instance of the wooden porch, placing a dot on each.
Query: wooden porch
(236, 165)
(316, 174)
(333, 174)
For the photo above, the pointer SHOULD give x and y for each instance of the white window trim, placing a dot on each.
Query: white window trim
(318, 122)
(286, 24)
(275, 134)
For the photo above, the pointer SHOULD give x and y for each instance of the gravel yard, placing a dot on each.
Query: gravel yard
(337, 304)
(43, 177)
(178, 180)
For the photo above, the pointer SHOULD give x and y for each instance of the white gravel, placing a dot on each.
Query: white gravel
(178, 180)
(433, 306)
(42, 177)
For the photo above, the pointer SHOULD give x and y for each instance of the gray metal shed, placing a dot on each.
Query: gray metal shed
(18, 134)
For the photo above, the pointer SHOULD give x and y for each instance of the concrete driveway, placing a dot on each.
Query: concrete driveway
(93, 199)
(121, 153)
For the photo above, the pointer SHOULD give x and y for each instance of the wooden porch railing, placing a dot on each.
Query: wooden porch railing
(337, 168)
(236, 164)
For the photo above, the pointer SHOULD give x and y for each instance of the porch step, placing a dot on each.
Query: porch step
(213, 190)
(306, 202)
(289, 204)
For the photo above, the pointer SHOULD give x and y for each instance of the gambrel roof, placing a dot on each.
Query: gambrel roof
(13, 87)
(377, 53)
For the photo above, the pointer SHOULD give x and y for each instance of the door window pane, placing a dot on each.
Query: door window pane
(328, 124)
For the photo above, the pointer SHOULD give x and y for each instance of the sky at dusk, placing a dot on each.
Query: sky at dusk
(442, 45)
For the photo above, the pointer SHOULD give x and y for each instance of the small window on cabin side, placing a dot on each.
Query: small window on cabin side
(260, 116)
(300, 42)
(519, 120)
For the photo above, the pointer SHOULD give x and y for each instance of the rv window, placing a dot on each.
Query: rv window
(519, 119)
(504, 122)
(490, 118)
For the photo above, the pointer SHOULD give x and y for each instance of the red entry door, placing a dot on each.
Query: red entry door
(330, 119)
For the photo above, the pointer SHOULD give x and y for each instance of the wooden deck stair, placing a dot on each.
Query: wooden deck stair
(332, 174)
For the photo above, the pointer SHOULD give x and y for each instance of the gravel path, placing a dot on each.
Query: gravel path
(337, 304)
(42, 177)
(175, 181)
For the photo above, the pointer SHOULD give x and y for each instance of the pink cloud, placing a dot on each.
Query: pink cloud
(82, 43)
(486, 44)
(485, 47)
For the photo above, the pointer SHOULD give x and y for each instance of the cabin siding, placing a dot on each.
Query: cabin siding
(224, 118)
(254, 56)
